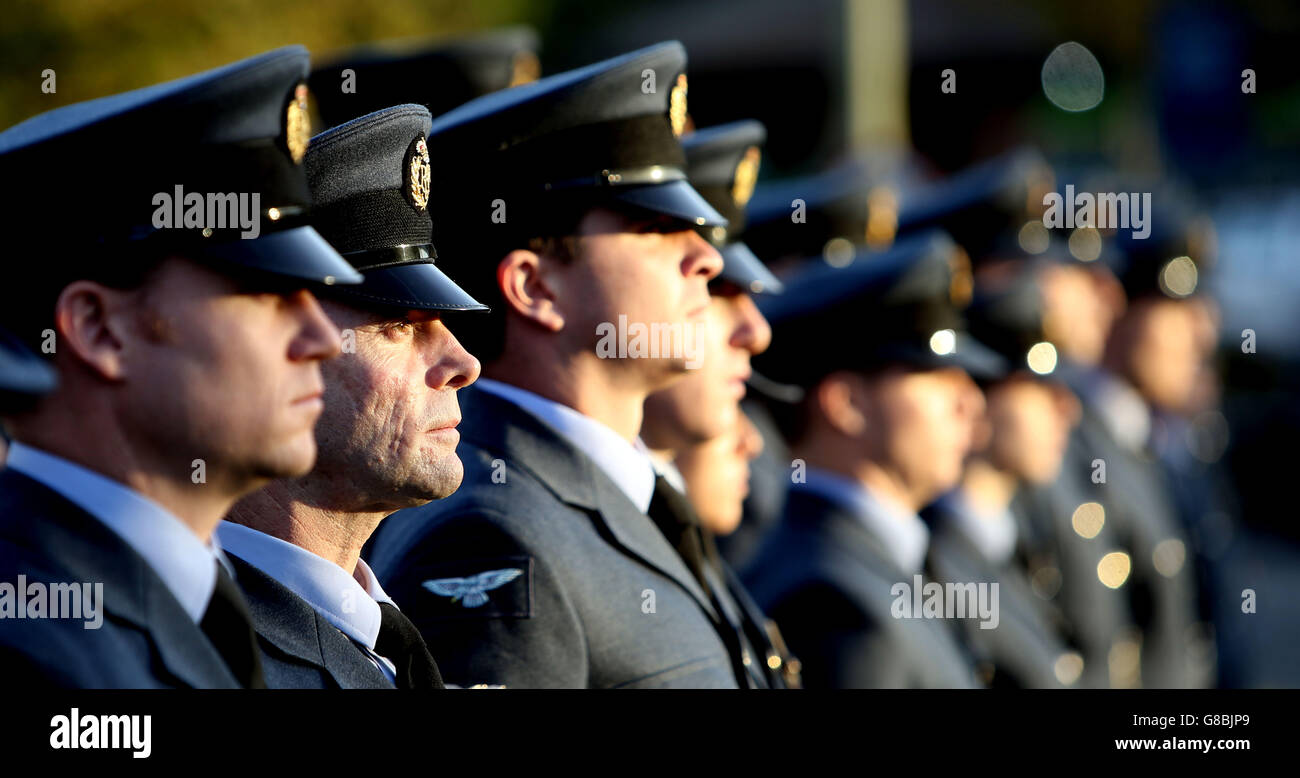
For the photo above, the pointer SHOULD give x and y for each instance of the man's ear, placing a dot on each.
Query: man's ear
(529, 290)
(842, 399)
(92, 321)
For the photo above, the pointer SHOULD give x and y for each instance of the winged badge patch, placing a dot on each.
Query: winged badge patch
(472, 591)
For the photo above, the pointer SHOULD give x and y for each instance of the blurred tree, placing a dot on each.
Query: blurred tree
(98, 48)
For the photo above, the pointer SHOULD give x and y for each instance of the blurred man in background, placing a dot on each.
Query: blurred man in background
(982, 530)
(883, 428)
(439, 74)
(1072, 560)
(1155, 355)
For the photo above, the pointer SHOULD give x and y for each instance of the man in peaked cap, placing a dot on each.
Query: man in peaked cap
(188, 353)
(828, 216)
(882, 429)
(993, 210)
(387, 436)
(852, 203)
(1153, 363)
(980, 531)
(438, 74)
(983, 204)
(722, 164)
(567, 210)
(1099, 528)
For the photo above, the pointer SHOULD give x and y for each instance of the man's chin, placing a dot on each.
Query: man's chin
(443, 481)
(292, 460)
(667, 372)
(722, 520)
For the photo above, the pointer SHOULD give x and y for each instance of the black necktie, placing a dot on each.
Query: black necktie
(229, 626)
(400, 643)
(675, 517)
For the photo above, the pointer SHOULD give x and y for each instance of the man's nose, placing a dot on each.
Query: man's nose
(752, 332)
(970, 400)
(318, 338)
(454, 367)
(701, 258)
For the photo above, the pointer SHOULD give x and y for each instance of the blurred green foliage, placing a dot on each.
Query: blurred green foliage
(99, 47)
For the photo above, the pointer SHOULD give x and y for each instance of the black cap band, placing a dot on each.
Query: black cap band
(372, 220)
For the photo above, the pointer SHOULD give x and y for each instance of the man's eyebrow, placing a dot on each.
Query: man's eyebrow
(387, 319)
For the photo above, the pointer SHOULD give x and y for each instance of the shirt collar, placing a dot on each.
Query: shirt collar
(671, 474)
(185, 563)
(1121, 409)
(370, 582)
(903, 534)
(628, 465)
(993, 534)
(353, 609)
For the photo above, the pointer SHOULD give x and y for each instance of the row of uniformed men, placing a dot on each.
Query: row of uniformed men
(233, 418)
(1069, 480)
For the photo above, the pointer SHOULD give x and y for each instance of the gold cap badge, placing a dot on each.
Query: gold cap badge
(746, 177)
(677, 106)
(882, 217)
(298, 125)
(418, 174)
(961, 282)
(525, 68)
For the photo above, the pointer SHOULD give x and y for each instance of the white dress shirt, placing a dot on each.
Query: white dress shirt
(353, 609)
(183, 561)
(902, 533)
(627, 464)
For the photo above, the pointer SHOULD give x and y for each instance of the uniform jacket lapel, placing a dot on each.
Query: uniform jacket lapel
(292, 626)
(500, 426)
(134, 595)
(846, 533)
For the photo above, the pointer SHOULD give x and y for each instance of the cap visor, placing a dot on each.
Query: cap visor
(673, 198)
(742, 268)
(419, 285)
(21, 371)
(978, 360)
(297, 253)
